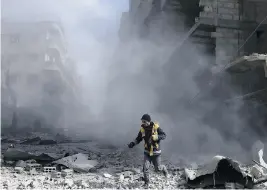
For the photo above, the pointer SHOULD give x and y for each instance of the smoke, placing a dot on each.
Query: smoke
(121, 80)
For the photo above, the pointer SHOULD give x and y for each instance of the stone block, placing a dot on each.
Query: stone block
(67, 173)
(35, 166)
(18, 170)
(49, 169)
(55, 174)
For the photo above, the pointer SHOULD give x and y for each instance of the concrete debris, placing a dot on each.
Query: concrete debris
(48, 157)
(13, 154)
(121, 178)
(49, 169)
(106, 175)
(35, 166)
(217, 172)
(55, 174)
(33, 141)
(68, 183)
(247, 63)
(262, 162)
(67, 173)
(18, 170)
(21, 164)
(12, 141)
(77, 162)
(127, 174)
(39, 141)
(121, 169)
(256, 172)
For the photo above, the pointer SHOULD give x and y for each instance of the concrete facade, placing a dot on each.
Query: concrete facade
(225, 24)
(234, 21)
(36, 70)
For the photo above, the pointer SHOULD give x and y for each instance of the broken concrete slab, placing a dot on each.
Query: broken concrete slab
(262, 162)
(21, 164)
(32, 141)
(39, 141)
(257, 172)
(78, 162)
(246, 63)
(217, 172)
(48, 157)
(19, 170)
(106, 175)
(13, 154)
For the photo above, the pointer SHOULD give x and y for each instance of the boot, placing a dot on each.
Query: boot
(165, 172)
(146, 185)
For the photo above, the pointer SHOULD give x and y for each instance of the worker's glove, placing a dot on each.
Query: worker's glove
(155, 137)
(131, 145)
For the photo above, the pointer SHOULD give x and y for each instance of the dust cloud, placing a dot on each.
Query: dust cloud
(121, 80)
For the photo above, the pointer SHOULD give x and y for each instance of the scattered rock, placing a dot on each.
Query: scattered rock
(21, 164)
(106, 175)
(121, 178)
(68, 183)
(19, 170)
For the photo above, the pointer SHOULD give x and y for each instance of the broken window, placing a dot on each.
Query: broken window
(47, 58)
(50, 58)
(260, 34)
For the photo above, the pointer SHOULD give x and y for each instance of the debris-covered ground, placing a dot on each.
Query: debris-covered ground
(115, 169)
(53, 165)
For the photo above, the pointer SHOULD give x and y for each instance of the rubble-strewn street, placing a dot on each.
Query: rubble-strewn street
(133, 94)
(115, 169)
(90, 165)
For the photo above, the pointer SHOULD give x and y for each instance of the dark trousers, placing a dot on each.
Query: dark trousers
(156, 161)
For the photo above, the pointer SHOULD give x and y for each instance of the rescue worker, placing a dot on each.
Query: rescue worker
(152, 135)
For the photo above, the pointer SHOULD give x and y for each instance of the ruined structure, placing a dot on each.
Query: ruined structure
(229, 32)
(36, 70)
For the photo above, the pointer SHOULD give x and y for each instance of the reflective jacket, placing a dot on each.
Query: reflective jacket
(151, 147)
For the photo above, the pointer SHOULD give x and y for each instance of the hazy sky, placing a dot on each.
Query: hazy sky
(100, 16)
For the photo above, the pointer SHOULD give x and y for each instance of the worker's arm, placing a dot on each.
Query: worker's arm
(161, 134)
(137, 140)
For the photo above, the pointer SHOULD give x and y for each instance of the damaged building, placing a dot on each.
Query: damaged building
(37, 73)
(231, 33)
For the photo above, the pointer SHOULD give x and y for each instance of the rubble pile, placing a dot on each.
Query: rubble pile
(90, 165)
